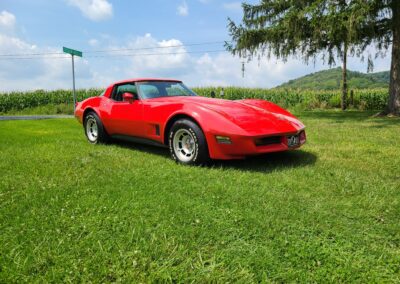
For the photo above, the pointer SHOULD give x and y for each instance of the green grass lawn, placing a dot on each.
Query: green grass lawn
(72, 212)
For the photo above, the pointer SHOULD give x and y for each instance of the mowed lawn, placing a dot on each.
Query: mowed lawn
(72, 212)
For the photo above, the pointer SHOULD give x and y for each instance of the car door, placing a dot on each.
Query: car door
(126, 118)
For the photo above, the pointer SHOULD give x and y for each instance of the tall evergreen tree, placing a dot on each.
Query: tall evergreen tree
(332, 28)
(380, 25)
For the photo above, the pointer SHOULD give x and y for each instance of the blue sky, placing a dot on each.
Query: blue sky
(134, 28)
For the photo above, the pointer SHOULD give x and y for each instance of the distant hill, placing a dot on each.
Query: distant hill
(331, 79)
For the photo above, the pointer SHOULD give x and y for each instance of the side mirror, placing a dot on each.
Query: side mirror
(128, 97)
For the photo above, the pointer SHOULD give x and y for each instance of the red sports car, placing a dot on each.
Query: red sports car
(196, 129)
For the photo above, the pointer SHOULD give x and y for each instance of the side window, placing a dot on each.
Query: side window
(121, 89)
(149, 91)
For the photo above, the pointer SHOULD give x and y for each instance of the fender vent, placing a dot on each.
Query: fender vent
(157, 127)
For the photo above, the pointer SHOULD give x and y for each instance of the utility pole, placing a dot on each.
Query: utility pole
(73, 53)
(73, 80)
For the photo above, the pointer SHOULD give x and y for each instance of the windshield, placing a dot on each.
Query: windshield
(150, 90)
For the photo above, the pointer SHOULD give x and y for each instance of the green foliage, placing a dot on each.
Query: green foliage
(285, 28)
(60, 101)
(72, 212)
(333, 28)
(65, 108)
(15, 101)
(313, 27)
(331, 80)
(367, 99)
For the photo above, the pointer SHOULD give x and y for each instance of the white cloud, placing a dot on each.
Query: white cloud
(9, 44)
(220, 69)
(223, 69)
(232, 6)
(42, 72)
(183, 9)
(95, 10)
(149, 57)
(7, 19)
(153, 58)
(93, 42)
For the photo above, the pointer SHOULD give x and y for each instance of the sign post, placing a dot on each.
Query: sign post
(73, 53)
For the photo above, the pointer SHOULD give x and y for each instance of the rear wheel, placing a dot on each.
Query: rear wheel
(187, 143)
(94, 129)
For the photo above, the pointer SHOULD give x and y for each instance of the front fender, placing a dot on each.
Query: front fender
(210, 120)
(212, 123)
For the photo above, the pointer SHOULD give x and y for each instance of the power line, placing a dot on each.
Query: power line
(155, 54)
(36, 57)
(113, 50)
(115, 55)
(29, 54)
(157, 47)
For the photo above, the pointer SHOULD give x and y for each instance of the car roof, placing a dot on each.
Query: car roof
(146, 80)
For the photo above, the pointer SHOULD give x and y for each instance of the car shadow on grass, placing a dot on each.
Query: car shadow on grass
(160, 151)
(262, 163)
(270, 162)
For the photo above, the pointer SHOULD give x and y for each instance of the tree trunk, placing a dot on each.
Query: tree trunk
(394, 88)
(344, 74)
(352, 97)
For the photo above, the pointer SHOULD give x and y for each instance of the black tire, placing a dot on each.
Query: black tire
(185, 130)
(91, 121)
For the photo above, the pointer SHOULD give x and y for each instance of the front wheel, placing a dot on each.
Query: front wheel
(94, 129)
(187, 143)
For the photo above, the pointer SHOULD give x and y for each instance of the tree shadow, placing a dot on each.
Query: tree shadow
(383, 123)
(338, 116)
(352, 116)
(264, 163)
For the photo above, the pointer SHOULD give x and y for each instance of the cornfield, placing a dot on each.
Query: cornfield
(365, 99)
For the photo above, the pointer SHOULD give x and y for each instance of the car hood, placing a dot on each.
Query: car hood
(253, 119)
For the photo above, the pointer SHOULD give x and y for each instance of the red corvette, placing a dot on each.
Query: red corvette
(196, 129)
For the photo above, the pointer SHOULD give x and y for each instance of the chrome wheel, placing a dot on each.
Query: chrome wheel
(184, 145)
(92, 130)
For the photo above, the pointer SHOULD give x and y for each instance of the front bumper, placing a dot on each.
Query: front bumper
(242, 146)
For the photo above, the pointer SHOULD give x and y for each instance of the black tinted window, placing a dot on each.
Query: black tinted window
(125, 88)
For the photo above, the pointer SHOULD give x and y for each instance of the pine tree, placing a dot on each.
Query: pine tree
(331, 28)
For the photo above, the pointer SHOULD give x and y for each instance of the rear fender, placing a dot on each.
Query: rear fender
(91, 104)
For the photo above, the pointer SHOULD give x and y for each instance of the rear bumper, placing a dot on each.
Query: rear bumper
(242, 146)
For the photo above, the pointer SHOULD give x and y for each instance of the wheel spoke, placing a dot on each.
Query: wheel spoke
(91, 129)
(184, 145)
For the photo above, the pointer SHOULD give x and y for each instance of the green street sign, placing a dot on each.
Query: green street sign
(76, 53)
(72, 51)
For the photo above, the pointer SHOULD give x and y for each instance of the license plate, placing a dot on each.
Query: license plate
(293, 140)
